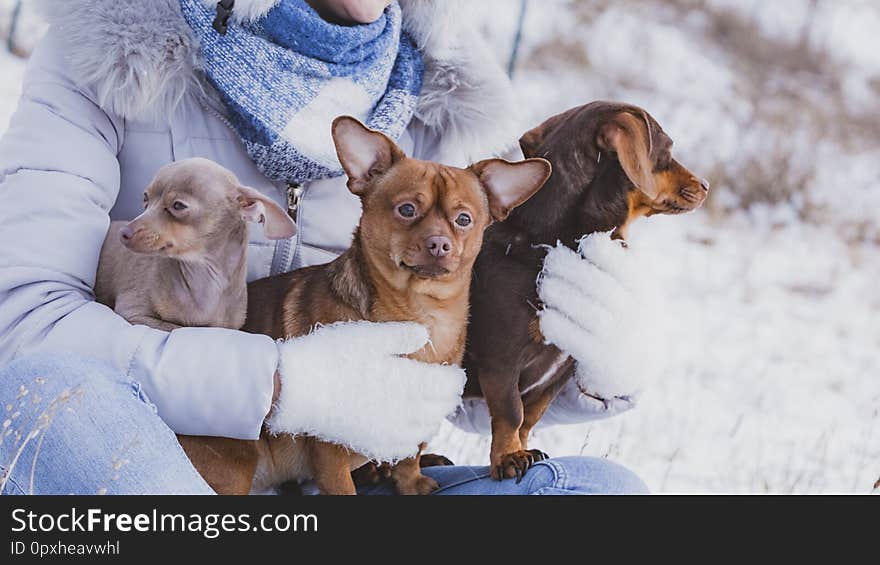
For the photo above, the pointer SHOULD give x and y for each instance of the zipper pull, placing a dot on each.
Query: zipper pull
(294, 195)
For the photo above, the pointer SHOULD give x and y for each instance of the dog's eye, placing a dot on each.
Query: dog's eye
(463, 220)
(179, 206)
(406, 210)
(146, 200)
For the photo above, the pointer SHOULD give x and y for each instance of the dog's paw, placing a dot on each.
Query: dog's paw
(538, 454)
(371, 473)
(434, 460)
(515, 465)
(420, 484)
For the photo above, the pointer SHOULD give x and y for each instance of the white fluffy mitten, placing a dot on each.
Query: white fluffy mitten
(599, 307)
(348, 384)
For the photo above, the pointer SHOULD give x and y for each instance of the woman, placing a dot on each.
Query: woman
(119, 88)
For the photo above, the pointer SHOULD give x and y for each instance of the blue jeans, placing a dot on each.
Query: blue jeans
(74, 426)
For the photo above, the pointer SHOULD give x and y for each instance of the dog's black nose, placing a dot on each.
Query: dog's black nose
(438, 245)
(705, 184)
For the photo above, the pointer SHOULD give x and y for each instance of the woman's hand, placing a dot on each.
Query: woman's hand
(599, 308)
(349, 384)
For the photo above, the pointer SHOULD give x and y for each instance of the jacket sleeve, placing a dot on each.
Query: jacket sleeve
(59, 177)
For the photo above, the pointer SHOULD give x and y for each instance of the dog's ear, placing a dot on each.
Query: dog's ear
(255, 207)
(532, 139)
(508, 185)
(627, 136)
(365, 154)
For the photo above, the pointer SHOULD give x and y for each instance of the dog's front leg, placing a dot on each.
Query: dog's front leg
(331, 467)
(535, 404)
(507, 457)
(408, 477)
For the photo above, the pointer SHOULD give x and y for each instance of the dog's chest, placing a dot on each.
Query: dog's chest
(546, 364)
(447, 342)
(210, 306)
(446, 328)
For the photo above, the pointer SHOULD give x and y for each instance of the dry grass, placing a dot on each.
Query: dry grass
(17, 440)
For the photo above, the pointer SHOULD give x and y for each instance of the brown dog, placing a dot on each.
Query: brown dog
(410, 260)
(182, 262)
(611, 165)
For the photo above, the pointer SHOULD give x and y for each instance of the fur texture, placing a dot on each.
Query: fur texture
(598, 303)
(311, 404)
(141, 59)
(466, 97)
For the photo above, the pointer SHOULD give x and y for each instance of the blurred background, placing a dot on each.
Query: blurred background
(772, 290)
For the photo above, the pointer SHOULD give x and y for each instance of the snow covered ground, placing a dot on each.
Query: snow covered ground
(772, 379)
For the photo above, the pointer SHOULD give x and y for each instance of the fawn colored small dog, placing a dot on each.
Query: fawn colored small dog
(183, 261)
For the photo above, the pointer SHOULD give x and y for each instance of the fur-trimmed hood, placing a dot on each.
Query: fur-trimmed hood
(141, 59)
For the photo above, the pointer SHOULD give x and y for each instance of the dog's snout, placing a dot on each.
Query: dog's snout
(704, 183)
(126, 233)
(438, 245)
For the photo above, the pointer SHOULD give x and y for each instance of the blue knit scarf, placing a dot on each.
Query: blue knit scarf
(286, 76)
